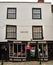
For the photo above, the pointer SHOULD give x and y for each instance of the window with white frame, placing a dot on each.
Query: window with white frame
(36, 13)
(37, 32)
(11, 13)
(10, 32)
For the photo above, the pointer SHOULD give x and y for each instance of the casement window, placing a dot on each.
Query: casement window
(37, 32)
(11, 13)
(10, 32)
(36, 13)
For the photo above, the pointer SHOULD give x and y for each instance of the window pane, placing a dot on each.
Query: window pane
(45, 51)
(8, 35)
(36, 10)
(23, 50)
(11, 16)
(11, 49)
(11, 10)
(15, 50)
(19, 50)
(36, 15)
(40, 50)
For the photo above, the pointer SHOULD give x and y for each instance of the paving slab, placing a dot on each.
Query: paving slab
(28, 63)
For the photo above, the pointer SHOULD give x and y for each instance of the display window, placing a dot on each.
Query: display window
(43, 50)
(17, 50)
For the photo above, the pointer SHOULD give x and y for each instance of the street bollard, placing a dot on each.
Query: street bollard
(40, 58)
(2, 60)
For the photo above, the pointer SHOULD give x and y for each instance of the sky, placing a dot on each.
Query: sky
(27, 0)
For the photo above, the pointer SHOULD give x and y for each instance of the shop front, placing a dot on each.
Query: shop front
(43, 51)
(17, 51)
(39, 48)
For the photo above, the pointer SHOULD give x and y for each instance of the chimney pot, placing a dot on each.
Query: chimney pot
(40, 1)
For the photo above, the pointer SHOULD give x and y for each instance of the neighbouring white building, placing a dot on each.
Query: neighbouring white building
(23, 22)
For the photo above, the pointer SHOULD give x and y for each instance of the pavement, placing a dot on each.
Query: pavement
(28, 63)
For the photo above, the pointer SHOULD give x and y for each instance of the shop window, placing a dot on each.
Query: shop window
(43, 50)
(17, 50)
(21, 50)
(11, 50)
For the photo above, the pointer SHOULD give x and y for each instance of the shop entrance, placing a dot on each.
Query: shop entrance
(33, 52)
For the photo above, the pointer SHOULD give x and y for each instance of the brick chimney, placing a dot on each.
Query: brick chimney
(40, 1)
